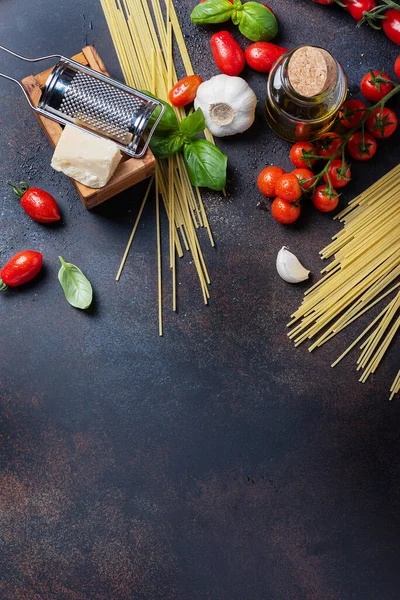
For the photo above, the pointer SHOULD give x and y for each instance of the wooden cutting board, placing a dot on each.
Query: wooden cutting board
(129, 172)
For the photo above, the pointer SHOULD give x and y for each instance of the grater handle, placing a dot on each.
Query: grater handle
(21, 86)
(29, 59)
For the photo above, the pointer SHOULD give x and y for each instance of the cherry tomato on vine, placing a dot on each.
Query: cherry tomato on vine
(325, 200)
(185, 91)
(391, 25)
(329, 144)
(39, 205)
(357, 7)
(267, 179)
(362, 149)
(373, 88)
(339, 174)
(397, 67)
(287, 188)
(21, 268)
(228, 55)
(305, 176)
(261, 56)
(283, 212)
(382, 122)
(300, 154)
(351, 113)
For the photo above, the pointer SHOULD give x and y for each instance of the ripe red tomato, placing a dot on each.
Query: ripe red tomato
(351, 113)
(185, 90)
(228, 55)
(262, 56)
(374, 89)
(300, 154)
(287, 187)
(21, 268)
(329, 144)
(360, 149)
(283, 212)
(391, 25)
(39, 205)
(325, 201)
(382, 122)
(305, 176)
(357, 7)
(267, 179)
(339, 174)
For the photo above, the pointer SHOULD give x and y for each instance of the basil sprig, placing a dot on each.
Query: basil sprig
(205, 163)
(76, 286)
(255, 21)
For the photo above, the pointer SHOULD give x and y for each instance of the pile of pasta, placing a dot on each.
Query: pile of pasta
(143, 35)
(364, 271)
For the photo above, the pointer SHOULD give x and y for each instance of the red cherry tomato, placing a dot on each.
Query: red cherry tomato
(391, 25)
(325, 201)
(329, 144)
(283, 212)
(39, 205)
(382, 122)
(374, 89)
(397, 67)
(339, 174)
(228, 55)
(357, 7)
(262, 56)
(360, 149)
(351, 113)
(305, 176)
(267, 179)
(287, 188)
(21, 268)
(185, 90)
(300, 154)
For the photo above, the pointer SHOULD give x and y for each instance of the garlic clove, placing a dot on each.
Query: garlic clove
(289, 267)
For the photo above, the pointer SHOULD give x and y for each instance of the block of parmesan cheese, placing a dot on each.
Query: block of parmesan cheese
(86, 158)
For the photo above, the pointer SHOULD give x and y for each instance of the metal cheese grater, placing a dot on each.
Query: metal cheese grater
(81, 97)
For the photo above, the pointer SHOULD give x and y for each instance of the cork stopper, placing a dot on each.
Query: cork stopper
(312, 71)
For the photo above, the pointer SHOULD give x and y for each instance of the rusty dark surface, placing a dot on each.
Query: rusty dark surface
(217, 463)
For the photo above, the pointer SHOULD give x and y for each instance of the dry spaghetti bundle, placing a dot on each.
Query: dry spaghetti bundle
(364, 271)
(143, 37)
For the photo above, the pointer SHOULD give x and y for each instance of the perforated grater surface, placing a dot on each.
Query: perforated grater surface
(79, 96)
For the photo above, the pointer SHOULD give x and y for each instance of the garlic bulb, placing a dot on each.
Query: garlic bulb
(228, 104)
(289, 267)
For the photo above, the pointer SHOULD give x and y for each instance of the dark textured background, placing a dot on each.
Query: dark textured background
(217, 463)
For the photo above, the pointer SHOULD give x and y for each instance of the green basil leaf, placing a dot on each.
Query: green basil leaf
(193, 124)
(166, 144)
(206, 164)
(212, 11)
(76, 286)
(257, 23)
(168, 121)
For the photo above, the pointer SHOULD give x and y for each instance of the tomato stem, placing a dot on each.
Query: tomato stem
(21, 190)
(3, 286)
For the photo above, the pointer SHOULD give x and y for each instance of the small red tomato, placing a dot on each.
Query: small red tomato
(362, 149)
(300, 154)
(329, 144)
(228, 55)
(39, 205)
(21, 268)
(262, 56)
(324, 200)
(185, 90)
(267, 179)
(391, 25)
(373, 87)
(339, 174)
(351, 113)
(287, 187)
(305, 176)
(357, 8)
(382, 122)
(283, 212)
(397, 67)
